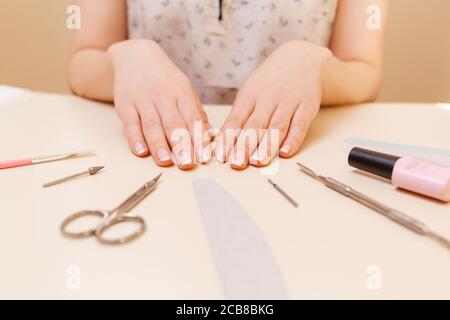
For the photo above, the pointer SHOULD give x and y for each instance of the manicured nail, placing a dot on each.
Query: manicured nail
(163, 155)
(238, 158)
(286, 148)
(259, 156)
(199, 154)
(185, 157)
(203, 155)
(220, 155)
(254, 159)
(206, 155)
(139, 148)
(213, 132)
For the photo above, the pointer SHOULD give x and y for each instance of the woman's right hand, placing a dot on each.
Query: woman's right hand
(157, 105)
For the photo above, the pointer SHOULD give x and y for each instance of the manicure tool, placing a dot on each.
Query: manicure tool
(42, 159)
(108, 219)
(91, 171)
(243, 258)
(283, 193)
(393, 214)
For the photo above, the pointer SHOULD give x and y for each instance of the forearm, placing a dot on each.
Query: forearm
(91, 75)
(349, 82)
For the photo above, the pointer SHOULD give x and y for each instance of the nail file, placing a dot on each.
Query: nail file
(243, 258)
(438, 155)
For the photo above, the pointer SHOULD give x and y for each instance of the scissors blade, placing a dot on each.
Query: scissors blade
(138, 196)
(155, 180)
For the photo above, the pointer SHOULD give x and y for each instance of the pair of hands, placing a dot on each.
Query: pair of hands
(163, 116)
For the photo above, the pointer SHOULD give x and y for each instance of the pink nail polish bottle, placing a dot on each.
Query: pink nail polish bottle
(418, 175)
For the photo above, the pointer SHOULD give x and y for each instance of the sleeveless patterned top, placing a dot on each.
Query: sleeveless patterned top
(219, 43)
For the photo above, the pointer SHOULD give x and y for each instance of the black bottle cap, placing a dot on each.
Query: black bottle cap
(378, 163)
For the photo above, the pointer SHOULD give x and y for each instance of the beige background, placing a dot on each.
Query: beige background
(34, 48)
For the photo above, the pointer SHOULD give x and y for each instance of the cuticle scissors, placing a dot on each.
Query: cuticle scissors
(113, 217)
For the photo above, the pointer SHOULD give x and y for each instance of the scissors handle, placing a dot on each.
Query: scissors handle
(120, 219)
(108, 219)
(78, 216)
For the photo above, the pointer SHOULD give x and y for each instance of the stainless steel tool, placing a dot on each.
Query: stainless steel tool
(391, 213)
(90, 172)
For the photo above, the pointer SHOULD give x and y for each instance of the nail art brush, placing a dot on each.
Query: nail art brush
(42, 159)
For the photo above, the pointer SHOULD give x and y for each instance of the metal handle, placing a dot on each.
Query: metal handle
(393, 214)
(62, 180)
(79, 215)
(120, 219)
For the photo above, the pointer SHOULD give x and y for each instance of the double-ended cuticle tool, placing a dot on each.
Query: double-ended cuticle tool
(283, 193)
(89, 172)
(393, 214)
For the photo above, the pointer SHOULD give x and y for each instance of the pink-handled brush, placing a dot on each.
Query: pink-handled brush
(42, 159)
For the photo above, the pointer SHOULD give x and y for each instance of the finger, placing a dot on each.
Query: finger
(212, 133)
(176, 132)
(277, 130)
(202, 110)
(242, 109)
(297, 132)
(266, 149)
(154, 135)
(132, 128)
(251, 134)
(198, 127)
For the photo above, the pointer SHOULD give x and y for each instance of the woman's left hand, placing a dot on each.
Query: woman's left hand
(275, 107)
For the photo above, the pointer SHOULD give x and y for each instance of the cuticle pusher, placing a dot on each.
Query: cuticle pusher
(91, 171)
(391, 213)
(283, 193)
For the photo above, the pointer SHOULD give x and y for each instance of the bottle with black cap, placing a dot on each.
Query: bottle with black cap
(418, 175)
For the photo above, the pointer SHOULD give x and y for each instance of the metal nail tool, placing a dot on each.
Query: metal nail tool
(393, 214)
(90, 172)
(107, 219)
(283, 193)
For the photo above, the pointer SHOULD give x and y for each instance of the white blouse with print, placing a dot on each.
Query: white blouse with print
(218, 43)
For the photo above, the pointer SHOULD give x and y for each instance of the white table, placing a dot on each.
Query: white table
(329, 247)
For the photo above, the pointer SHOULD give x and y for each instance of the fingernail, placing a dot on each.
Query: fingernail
(206, 155)
(203, 155)
(139, 148)
(185, 158)
(219, 155)
(259, 156)
(286, 148)
(238, 158)
(163, 155)
(199, 154)
(254, 158)
(213, 132)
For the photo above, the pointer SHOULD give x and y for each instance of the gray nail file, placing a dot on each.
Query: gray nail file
(243, 258)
